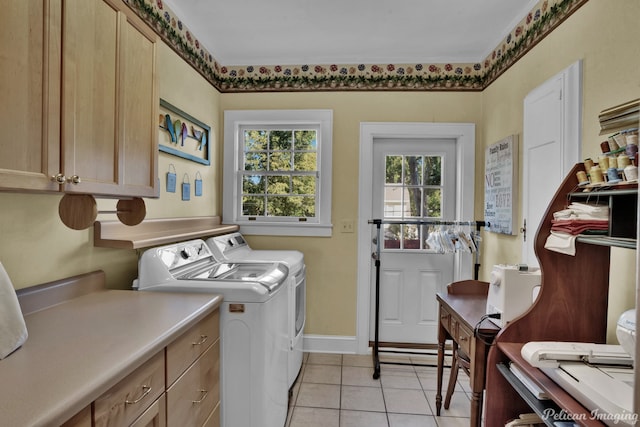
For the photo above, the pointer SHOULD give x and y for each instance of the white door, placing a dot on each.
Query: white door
(551, 146)
(413, 180)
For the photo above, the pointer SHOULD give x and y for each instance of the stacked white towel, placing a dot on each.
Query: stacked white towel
(13, 330)
(575, 219)
(583, 211)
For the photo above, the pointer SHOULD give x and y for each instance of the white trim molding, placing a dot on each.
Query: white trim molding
(232, 189)
(329, 344)
(464, 136)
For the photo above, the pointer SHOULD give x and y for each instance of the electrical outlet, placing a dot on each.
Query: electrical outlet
(347, 226)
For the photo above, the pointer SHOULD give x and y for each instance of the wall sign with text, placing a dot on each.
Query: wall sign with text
(500, 185)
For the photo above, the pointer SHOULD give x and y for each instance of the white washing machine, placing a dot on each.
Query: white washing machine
(234, 247)
(253, 325)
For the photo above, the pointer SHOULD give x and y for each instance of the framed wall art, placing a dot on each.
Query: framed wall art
(183, 135)
(500, 185)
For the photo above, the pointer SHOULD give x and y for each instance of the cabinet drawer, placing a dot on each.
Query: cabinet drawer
(128, 399)
(155, 416)
(214, 418)
(463, 337)
(195, 395)
(185, 350)
(445, 319)
(81, 419)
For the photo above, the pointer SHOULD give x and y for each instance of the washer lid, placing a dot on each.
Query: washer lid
(268, 274)
(233, 246)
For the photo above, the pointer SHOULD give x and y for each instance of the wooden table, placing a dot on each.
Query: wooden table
(461, 320)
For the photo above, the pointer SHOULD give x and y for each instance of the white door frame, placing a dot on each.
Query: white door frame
(571, 122)
(464, 136)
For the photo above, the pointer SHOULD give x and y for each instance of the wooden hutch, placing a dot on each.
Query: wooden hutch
(572, 306)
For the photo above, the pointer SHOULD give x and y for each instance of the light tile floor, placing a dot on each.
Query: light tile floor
(338, 390)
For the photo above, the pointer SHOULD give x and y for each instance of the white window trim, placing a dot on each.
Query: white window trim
(233, 120)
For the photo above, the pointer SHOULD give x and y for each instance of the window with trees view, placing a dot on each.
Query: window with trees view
(277, 176)
(280, 172)
(413, 191)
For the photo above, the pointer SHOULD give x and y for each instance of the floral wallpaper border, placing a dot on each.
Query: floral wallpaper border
(542, 19)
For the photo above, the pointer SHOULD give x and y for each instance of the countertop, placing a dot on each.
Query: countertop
(79, 349)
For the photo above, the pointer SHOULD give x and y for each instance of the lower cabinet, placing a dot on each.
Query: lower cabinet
(178, 386)
(155, 416)
(194, 396)
(81, 419)
(193, 375)
(130, 398)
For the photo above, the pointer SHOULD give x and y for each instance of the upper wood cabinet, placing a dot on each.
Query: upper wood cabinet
(109, 99)
(84, 76)
(30, 57)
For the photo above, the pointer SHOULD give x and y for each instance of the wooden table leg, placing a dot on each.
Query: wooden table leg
(440, 372)
(476, 408)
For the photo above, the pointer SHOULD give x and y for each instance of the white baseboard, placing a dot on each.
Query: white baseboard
(329, 344)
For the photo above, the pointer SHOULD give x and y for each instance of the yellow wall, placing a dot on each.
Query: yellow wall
(31, 232)
(603, 33)
(605, 36)
(332, 262)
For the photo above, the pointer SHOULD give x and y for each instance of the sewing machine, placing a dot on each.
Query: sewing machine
(512, 290)
(599, 376)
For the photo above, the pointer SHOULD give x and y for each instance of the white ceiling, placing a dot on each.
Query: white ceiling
(272, 32)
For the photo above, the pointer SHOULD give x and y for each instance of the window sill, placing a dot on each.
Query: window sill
(283, 229)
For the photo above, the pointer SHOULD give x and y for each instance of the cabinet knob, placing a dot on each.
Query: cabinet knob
(59, 178)
(75, 180)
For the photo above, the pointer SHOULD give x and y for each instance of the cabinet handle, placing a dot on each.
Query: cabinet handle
(203, 339)
(145, 390)
(463, 338)
(75, 179)
(203, 395)
(59, 178)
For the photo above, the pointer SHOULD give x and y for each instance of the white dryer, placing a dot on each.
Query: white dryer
(253, 325)
(234, 247)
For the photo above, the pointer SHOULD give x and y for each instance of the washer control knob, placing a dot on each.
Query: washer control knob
(186, 252)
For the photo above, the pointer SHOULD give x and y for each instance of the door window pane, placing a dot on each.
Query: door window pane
(412, 169)
(393, 169)
(433, 170)
(412, 191)
(413, 202)
(433, 202)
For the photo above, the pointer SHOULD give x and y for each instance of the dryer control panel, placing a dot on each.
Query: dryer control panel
(182, 254)
(229, 243)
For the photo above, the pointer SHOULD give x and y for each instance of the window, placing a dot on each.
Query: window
(412, 191)
(277, 171)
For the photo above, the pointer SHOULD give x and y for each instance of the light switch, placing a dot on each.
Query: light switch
(347, 226)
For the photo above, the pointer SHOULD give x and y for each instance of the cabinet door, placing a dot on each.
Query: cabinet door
(30, 111)
(108, 100)
(138, 109)
(89, 102)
